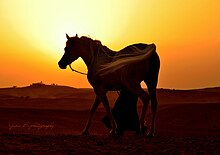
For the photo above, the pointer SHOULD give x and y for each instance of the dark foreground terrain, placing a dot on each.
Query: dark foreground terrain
(50, 122)
(102, 144)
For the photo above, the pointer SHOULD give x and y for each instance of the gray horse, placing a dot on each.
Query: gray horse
(113, 71)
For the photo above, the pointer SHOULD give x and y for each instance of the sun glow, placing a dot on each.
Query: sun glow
(45, 23)
(33, 35)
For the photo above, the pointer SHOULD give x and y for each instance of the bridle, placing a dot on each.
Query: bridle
(79, 71)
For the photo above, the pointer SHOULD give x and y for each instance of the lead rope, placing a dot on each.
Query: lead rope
(118, 92)
(76, 71)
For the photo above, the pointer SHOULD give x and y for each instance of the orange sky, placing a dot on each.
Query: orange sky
(186, 33)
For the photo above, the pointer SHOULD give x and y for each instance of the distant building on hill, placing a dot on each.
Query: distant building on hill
(38, 84)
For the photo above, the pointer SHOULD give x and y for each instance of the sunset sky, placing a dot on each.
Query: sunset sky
(186, 33)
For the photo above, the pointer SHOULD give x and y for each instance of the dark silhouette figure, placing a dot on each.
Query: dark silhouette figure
(125, 113)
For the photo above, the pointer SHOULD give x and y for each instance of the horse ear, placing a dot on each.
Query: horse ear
(67, 37)
(76, 35)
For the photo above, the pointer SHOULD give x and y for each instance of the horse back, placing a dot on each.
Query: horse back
(134, 49)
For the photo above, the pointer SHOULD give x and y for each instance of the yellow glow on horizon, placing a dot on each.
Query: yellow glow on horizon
(33, 35)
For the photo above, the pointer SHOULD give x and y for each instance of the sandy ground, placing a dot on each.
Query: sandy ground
(187, 123)
(101, 144)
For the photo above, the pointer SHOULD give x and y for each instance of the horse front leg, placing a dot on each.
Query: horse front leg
(105, 102)
(92, 111)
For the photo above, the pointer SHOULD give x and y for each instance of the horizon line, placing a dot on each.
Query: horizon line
(54, 84)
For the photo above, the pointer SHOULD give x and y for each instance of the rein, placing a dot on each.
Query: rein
(76, 70)
(118, 92)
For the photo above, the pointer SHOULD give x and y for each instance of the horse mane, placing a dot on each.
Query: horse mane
(108, 51)
(90, 39)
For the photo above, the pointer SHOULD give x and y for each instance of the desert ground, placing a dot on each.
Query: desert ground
(48, 119)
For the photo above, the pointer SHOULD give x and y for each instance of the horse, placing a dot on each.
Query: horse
(110, 70)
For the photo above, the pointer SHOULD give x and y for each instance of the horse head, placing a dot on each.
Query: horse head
(70, 54)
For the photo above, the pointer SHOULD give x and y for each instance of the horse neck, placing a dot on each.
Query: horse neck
(86, 52)
(91, 50)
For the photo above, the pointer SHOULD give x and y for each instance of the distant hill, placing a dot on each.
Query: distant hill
(39, 90)
(212, 89)
(42, 96)
(208, 90)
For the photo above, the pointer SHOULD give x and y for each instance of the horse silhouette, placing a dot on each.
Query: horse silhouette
(113, 71)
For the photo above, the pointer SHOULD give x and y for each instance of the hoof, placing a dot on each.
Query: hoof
(85, 133)
(119, 132)
(143, 130)
(112, 133)
(116, 133)
(150, 135)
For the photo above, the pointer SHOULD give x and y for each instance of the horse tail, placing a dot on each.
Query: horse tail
(120, 63)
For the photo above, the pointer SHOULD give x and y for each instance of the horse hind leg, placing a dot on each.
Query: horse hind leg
(154, 105)
(145, 97)
(151, 83)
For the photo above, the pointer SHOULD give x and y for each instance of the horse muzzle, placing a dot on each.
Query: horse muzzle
(62, 66)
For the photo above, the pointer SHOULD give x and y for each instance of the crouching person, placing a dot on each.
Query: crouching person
(125, 113)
